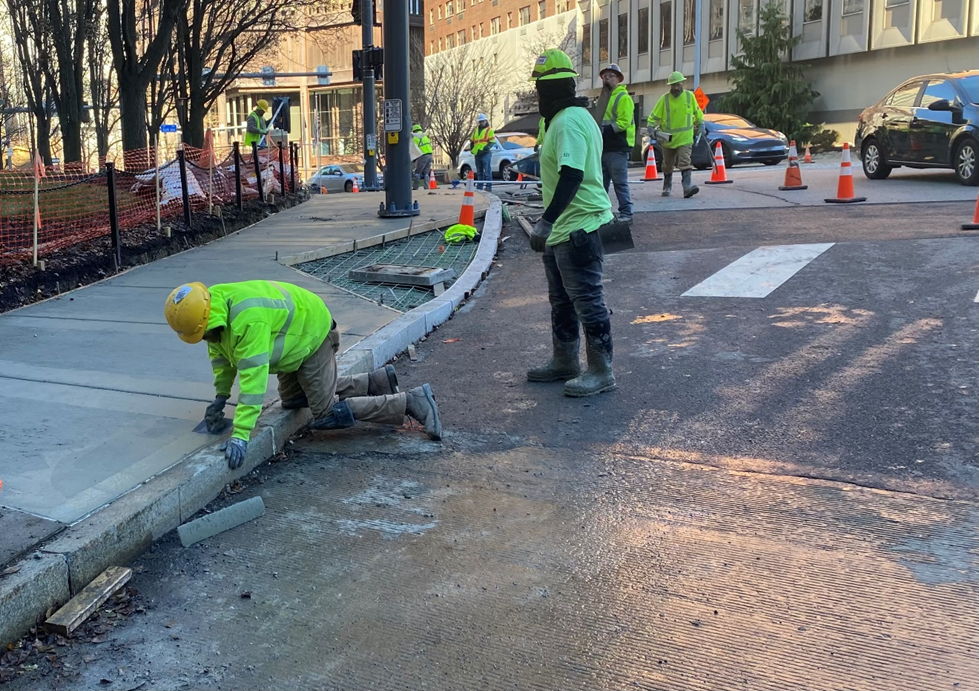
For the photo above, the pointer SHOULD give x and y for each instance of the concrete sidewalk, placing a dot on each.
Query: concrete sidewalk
(97, 453)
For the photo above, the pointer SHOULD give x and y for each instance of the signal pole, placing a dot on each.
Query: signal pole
(397, 113)
(370, 98)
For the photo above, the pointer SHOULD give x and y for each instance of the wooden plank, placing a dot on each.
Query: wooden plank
(81, 607)
(525, 224)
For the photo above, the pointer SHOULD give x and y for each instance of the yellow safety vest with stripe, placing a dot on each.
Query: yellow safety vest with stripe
(678, 116)
(269, 327)
(620, 114)
(481, 139)
(259, 124)
(423, 143)
(459, 232)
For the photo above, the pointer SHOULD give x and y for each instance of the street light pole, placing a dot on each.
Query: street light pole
(397, 114)
(698, 44)
(370, 98)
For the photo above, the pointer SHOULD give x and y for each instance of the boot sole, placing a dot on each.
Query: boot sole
(559, 377)
(575, 394)
(436, 433)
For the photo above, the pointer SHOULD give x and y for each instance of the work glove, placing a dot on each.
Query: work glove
(538, 237)
(651, 132)
(214, 415)
(234, 450)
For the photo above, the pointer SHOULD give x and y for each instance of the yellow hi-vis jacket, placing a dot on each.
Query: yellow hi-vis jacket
(481, 139)
(270, 327)
(423, 142)
(677, 115)
(620, 114)
(254, 129)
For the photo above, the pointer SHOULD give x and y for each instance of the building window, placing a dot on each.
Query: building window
(642, 26)
(480, 29)
(431, 16)
(890, 4)
(561, 6)
(623, 36)
(440, 11)
(542, 9)
(461, 37)
(586, 44)
(495, 25)
(509, 20)
(746, 16)
(852, 7)
(448, 9)
(603, 41)
(716, 20)
(813, 11)
(665, 25)
(689, 22)
(524, 15)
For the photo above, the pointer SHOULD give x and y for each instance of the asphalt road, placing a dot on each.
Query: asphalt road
(780, 494)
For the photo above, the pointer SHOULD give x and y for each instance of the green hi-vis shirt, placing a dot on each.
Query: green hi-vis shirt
(423, 142)
(270, 327)
(574, 140)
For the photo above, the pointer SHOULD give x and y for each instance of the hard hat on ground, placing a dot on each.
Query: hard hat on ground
(262, 103)
(675, 78)
(553, 64)
(187, 308)
(612, 67)
(416, 127)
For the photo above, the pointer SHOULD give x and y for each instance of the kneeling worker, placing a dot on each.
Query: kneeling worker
(254, 328)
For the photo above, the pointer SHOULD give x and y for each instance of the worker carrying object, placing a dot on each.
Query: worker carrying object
(254, 328)
(575, 207)
(423, 164)
(481, 145)
(615, 113)
(255, 127)
(676, 122)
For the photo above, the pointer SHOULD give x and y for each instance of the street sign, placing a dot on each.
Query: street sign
(702, 99)
(168, 128)
(372, 142)
(392, 115)
(270, 79)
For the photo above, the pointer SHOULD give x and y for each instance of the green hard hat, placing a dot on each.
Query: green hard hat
(416, 127)
(675, 78)
(553, 64)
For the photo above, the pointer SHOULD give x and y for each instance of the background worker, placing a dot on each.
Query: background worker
(254, 328)
(482, 141)
(576, 206)
(676, 121)
(423, 164)
(255, 126)
(615, 113)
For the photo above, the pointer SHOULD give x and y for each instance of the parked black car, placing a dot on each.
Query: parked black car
(931, 121)
(741, 141)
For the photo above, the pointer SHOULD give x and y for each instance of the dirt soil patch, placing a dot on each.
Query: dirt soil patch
(91, 261)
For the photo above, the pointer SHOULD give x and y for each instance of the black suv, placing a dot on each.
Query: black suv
(930, 121)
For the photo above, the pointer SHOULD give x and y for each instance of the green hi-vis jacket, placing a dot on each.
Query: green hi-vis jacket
(270, 327)
(620, 114)
(423, 142)
(678, 115)
(482, 138)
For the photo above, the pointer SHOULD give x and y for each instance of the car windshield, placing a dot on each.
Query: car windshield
(352, 168)
(971, 87)
(728, 122)
(517, 141)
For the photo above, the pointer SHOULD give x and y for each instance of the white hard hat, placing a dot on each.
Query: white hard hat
(481, 117)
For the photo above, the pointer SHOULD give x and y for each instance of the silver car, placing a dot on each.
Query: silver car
(509, 148)
(339, 177)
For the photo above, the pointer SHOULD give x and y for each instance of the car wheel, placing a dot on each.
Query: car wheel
(348, 186)
(464, 172)
(506, 172)
(728, 156)
(874, 162)
(966, 163)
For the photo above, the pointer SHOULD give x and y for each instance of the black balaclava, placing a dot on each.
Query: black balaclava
(554, 95)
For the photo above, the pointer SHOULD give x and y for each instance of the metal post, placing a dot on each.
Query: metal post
(370, 97)
(397, 175)
(282, 170)
(37, 202)
(698, 43)
(237, 148)
(258, 171)
(156, 184)
(293, 157)
(110, 176)
(183, 184)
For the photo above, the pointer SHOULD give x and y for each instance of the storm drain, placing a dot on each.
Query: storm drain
(423, 250)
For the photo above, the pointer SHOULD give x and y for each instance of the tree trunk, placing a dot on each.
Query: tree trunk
(132, 103)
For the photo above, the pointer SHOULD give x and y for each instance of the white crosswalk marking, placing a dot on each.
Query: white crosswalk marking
(977, 298)
(758, 273)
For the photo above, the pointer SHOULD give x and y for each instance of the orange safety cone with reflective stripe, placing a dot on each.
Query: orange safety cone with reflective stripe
(975, 219)
(808, 157)
(432, 185)
(651, 173)
(355, 188)
(793, 175)
(467, 215)
(719, 174)
(844, 189)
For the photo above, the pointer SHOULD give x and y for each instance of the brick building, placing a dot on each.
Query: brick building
(453, 23)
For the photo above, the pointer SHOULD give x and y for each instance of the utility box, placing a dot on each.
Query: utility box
(401, 274)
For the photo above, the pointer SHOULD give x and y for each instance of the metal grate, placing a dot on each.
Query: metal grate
(424, 249)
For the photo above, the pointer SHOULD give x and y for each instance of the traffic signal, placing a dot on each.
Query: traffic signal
(356, 9)
(280, 107)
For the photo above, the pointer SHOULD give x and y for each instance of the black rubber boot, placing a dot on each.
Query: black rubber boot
(598, 377)
(689, 189)
(562, 366)
(339, 417)
(383, 381)
(667, 185)
(420, 405)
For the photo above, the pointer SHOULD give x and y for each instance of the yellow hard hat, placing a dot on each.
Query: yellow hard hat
(262, 103)
(553, 64)
(675, 78)
(187, 308)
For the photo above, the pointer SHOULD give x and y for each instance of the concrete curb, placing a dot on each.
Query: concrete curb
(123, 529)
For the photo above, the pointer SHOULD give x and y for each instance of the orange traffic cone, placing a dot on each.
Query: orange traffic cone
(975, 219)
(432, 185)
(719, 174)
(356, 187)
(651, 172)
(844, 189)
(808, 157)
(793, 175)
(467, 215)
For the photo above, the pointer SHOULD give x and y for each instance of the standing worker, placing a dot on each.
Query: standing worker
(423, 164)
(255, 126)
(254, 328)
(576, 206)
(676, 121)
(482, 141)
(615, 114)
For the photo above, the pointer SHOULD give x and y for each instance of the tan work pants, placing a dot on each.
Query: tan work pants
(678, 159)
(317, 379)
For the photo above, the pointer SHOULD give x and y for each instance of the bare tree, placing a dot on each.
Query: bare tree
(33, 55)
(102, 85)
